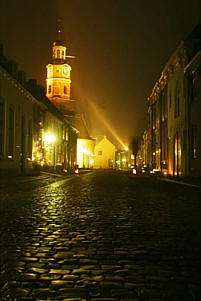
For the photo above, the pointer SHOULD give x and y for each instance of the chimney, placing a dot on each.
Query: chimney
(12, 68)
(22, 78)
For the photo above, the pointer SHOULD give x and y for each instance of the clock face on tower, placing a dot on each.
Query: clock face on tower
(65, 70)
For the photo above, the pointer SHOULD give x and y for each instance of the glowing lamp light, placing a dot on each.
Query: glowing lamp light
(49, 138)
(88, 153)
(91, 162)
(126, 148)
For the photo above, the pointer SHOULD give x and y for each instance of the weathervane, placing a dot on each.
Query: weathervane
(59, 31)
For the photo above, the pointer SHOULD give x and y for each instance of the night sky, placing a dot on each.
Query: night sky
(120, 46)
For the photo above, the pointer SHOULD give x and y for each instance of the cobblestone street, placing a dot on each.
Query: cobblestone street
(100, 236)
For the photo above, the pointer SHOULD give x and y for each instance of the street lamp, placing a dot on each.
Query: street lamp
(49, 138)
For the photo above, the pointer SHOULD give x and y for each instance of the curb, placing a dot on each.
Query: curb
(179, 182)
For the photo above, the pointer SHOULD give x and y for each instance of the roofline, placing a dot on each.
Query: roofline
(194, 59)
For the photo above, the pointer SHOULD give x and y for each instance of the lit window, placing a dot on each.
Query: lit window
(58, 54)
(177, 155)
(194, 140)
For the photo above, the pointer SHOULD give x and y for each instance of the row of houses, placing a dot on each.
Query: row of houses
(38, 133)
(33, 132)
(171, 144)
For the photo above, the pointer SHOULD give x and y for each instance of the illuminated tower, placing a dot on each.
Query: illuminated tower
(58, 83)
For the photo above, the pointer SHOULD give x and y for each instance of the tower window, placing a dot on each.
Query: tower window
(65, 90)
(49, 89)
(63, 54)
(58, 54)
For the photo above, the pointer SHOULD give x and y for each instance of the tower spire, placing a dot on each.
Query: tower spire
(59, 29)
(58, 74)
(59, 37)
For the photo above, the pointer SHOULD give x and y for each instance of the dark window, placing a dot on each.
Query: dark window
(164, 140)
(1, 128)
(195, 83)
(65, 90)
(194, 141)
(178, 105)
(170, 100)
(177, 102)
(10, 132)
(100, 153)
(58, 54)
(49, 89)
(164, 103)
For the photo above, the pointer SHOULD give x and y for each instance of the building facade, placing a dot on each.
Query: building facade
(33, 133)
(105, 154)
(193, 90)
(16, 125)
(172, 144)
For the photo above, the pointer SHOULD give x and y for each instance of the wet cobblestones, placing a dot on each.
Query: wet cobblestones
(103, 236)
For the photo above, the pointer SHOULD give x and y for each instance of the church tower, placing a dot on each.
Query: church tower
(58, 83)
